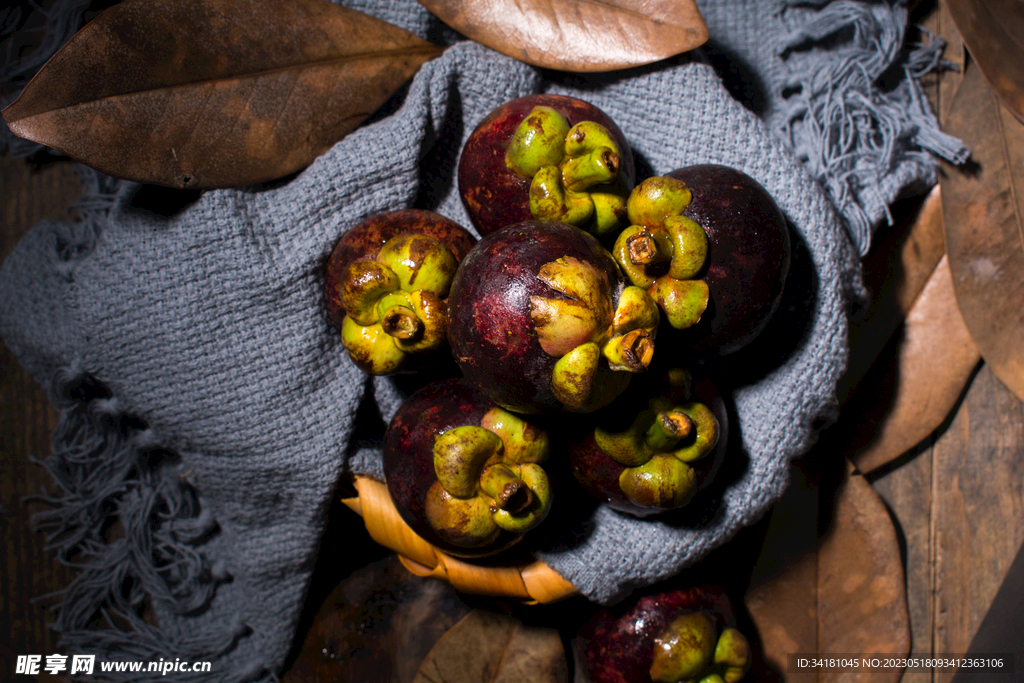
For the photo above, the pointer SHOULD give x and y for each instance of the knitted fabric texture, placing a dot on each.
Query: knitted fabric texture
(208, 405)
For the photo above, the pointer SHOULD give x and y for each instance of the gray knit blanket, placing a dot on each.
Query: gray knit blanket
(207, 404)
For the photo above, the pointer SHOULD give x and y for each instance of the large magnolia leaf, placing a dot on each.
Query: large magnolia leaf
(487, 647)
(993, 31)
(983, 209)
(214, 93)
(578, 35)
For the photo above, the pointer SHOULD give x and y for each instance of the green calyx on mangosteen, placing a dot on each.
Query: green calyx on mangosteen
(664, 251)
(386, 286)
(466, 474)
(668, 452)
(675, 636)
(546, 157)
(541, 320)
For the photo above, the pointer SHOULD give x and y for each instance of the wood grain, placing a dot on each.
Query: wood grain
(26, 423)
(959, 505)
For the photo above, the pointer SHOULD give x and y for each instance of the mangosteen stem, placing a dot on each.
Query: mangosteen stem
(649, 248)
(401, 322)
(631, 352)
(531, 503)
(668, 428)
(510, 493)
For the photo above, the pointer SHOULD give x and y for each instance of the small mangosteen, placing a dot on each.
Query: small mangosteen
(541, 320)
(655, 447)
(546, 157)
(463, 472)
(386, 286)
(678, 636)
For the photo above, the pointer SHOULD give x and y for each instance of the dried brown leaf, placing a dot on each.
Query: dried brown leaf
(993, 31)
(578, 35)
(862, 599)
(895, 271)
(843, 593)
(487, 647)
(983, 209)
(917, 382)
(376, 625)
(214, 93)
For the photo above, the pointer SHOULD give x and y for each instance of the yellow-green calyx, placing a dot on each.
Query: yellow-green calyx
(663, 251)
(588, 331)
(689, 650)
(489, 479)
(394, 305)
(657, 451)
(573, 170)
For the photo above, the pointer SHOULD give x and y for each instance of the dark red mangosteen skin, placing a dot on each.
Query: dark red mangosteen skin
(409, 453)
(598, 473)
(748, 256)
(490, 331)
(493, 195)
(364, 241)
(616, 644)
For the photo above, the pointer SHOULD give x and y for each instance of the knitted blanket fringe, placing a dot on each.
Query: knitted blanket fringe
(854, 121)
(108, 469)
(130, 522)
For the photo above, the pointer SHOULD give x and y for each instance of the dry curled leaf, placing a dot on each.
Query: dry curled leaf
(578, 35)
(214, 93)
(845, 594)
(916, 384)
(993, 31)
(487, 647)
(900, 262)
(376, 625)
(983, 209)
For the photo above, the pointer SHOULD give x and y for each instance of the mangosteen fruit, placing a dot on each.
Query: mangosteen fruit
(546, 157)
(655, 447)
(678, 636)
(463, 472)
(386, 285)
(541, 320)
(748, 256)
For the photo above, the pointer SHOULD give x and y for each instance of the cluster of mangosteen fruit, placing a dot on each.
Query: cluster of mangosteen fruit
(581, 305)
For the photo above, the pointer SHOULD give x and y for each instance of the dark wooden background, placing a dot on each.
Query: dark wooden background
(957, 500)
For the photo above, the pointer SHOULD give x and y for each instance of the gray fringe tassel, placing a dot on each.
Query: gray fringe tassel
(854, 142)
(131, 524)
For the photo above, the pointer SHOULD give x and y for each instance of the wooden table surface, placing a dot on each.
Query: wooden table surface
(957, 500)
